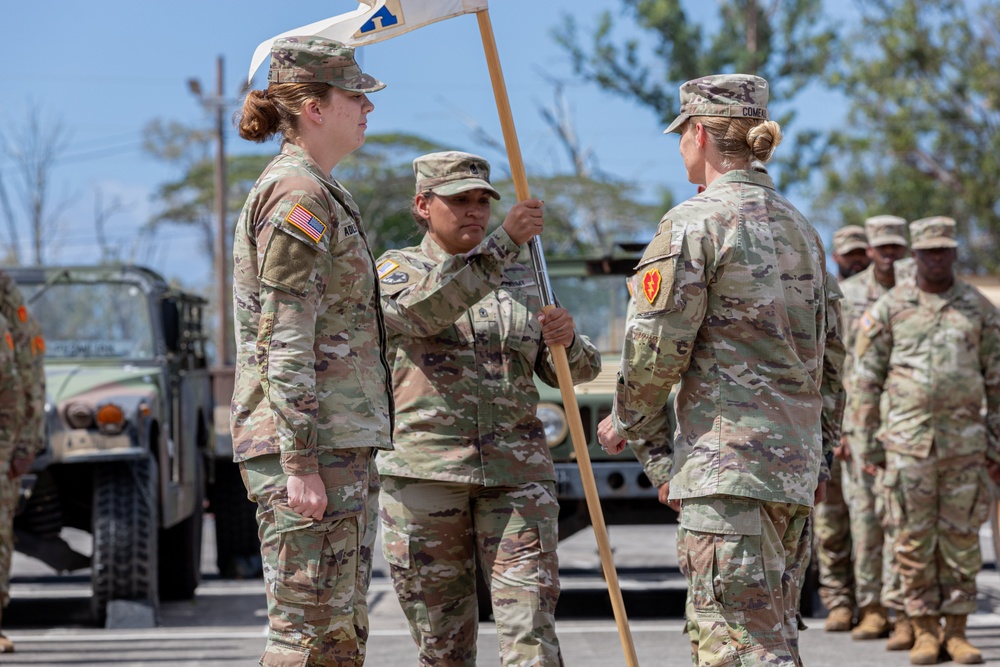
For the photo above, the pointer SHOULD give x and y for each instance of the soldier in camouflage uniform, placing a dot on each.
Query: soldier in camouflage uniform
(932, 345)
(471, 476)
(876, 587)
(313, 398)
(734, 306)
(28, 409)
(831, 520)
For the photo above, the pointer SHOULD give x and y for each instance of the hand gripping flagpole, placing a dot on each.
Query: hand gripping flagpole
(570, 405)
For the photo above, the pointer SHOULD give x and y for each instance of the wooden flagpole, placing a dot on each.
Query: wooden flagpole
(570, 405)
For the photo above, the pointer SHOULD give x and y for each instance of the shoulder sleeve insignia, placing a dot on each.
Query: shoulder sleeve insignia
(22, 313)
(10, 340)
(651, 280)
(396, 278)
(385, 268)
(38, 345)
(305, 221)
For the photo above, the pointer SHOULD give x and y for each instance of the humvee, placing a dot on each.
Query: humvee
(128, 422)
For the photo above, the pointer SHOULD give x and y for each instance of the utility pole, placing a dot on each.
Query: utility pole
(216, 106)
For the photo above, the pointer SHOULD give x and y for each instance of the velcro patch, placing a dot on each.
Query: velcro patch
(869, 328)
(655, 286)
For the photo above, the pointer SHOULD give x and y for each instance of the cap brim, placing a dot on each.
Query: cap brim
(888, 240)
(464, 185)
(359, 84)
(674, 126)
(940, 242)
(851, 247)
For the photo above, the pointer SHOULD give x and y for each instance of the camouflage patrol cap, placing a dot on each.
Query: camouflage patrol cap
(729, 95)
(851, 237)
(451, 172)
(936, 232)
(311, 59)
(886, 230)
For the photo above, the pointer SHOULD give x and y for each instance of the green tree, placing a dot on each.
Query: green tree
(785, 41)
(921, 136)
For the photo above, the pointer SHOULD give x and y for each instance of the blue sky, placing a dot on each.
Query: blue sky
(106, 68)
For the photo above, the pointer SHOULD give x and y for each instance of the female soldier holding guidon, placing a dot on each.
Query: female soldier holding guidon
(312, 399)
(471, 474)
(733, 305)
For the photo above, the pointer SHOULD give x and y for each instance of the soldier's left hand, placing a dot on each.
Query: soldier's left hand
(19, 466)
(993, 468)
(611, 442)
(820, 494)
(557, 327)
(842, 452)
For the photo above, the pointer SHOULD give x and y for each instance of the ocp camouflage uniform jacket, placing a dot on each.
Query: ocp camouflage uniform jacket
(465, 343)
(733, 303)
(937, 356)
(29, 349)
(11, 394)
(860, 292)
(310, 370)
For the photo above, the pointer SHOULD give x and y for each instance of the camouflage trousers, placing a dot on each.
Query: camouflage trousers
(433, 531)
(875, 574)
(316, 573)
(9, 491)
(938, 505)
(744, 561)
(832, 526)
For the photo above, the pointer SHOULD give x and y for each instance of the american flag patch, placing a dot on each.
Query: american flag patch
(307, 222)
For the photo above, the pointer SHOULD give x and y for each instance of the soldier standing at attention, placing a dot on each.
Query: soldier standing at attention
(471, 476)
(313, 399)
(733, 306)
(876, 585)
(18, 426)
(831, 520)
(933, 345)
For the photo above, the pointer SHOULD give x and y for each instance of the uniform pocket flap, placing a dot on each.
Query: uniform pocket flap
(725, 515)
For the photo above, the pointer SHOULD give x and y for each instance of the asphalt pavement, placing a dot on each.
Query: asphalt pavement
(225, 624)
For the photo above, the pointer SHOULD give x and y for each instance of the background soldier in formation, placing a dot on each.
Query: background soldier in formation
(874, 572)
(313, 398)
(933, 345)
(831, 519)
(471, 476)
(22, 417)
(733, 305)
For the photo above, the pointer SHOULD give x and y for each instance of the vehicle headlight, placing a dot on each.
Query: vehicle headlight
(110, 419)
(553, 421)
(79, 415)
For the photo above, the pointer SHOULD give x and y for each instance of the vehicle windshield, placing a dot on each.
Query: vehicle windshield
(106, 320)
(597, 304)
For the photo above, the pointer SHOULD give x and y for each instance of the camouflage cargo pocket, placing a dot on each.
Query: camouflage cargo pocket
(313, 565)
(406, 581)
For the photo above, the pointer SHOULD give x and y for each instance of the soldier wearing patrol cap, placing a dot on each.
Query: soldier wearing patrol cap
(876, 585)
(933, 346)
(831, 520)
(471, 476)
(735, 305)
(850, 250)
(313, 398)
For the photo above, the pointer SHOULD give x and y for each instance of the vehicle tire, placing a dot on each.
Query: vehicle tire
(180, 549)
(236, 541)
(123, 565)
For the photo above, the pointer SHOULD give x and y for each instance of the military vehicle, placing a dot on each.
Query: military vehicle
(128, 420)
(595, 291)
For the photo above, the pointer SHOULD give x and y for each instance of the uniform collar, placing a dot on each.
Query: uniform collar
(744, 176)
(432, 250)
(289, 149)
